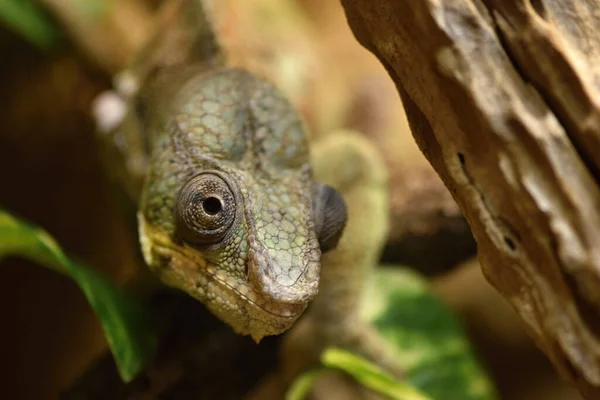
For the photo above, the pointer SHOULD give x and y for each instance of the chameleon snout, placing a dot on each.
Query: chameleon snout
(284, 279)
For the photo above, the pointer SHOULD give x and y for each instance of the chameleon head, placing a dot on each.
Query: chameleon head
(230, 213)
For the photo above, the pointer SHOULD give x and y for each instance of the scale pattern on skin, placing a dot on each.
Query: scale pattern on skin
(260, 277)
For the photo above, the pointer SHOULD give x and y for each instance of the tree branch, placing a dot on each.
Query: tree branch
(427, 229)
(503, 101)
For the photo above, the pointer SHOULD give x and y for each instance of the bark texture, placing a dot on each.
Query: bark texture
(503, 99)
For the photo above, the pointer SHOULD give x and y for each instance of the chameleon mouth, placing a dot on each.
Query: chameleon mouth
(187, 271)
(244, 310)
(199, 275)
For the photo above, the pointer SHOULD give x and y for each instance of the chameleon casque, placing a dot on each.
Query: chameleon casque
(229, 211)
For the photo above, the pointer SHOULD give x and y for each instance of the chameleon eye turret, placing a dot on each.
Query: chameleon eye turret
(330, 215)
(205, 210)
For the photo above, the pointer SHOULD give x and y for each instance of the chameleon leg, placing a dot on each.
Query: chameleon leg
(351, 164)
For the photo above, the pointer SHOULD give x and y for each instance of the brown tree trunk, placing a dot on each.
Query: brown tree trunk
(503, 99)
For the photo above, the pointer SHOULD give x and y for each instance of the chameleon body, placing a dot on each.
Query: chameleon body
(229, 212)
(217, 160)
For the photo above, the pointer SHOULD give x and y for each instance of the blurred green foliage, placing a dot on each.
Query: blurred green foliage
(28, 19)
(126, 322)
(425, 337)
(366, 373)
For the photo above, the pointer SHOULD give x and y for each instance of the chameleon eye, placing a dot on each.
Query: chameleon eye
(329, 211)
(205, 209)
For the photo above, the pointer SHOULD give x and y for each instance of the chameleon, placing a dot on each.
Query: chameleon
(229, 211)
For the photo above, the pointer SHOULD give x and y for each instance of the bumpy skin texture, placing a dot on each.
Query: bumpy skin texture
(229, 135)
(228, 211)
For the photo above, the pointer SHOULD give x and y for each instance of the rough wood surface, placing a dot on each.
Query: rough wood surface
(503, 99)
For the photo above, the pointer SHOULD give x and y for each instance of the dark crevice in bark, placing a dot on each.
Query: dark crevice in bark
(539, 8)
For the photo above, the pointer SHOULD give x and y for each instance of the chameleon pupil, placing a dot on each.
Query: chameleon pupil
(212, 205)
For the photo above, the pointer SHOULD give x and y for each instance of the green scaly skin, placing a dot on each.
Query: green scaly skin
(260, 276)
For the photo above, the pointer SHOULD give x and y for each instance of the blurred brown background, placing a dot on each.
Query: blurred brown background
(51, 175)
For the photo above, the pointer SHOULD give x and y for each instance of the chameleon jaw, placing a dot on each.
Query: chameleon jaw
(241, 307)
(233, 301)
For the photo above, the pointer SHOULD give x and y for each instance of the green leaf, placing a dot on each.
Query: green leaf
(30, 21)
(303, 383)
(370, 375)
(127, 325)
(364, 372)
(426, 337)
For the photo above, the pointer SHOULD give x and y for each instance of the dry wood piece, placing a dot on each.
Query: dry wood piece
(503, 99)
(427, 230)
